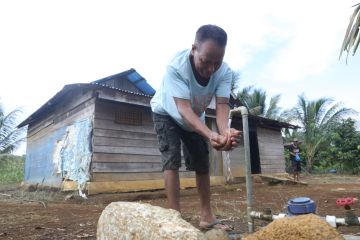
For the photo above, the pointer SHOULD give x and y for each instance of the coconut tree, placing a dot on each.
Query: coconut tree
(235, 78)
(352, 36)
(316, 119)
(10, 136)
(255, 101)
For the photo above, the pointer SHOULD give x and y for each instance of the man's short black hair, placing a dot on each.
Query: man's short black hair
(213, 32)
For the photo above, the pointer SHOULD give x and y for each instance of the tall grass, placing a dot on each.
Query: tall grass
(11, 169)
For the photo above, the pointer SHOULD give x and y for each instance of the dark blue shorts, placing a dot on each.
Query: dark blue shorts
(296, 166)
(170, 139)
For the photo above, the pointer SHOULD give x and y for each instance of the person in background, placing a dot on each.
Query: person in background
(295, 158)
(192, 78)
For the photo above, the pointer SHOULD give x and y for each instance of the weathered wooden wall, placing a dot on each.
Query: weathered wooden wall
(125, 151)
(271, 150)
(49, 129)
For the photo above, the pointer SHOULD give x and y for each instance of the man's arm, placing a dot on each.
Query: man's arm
(222, 114)
(194, 122)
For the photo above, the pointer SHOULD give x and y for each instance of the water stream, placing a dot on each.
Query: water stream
(227, 162)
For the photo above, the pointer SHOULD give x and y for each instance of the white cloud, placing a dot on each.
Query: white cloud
(315, 37)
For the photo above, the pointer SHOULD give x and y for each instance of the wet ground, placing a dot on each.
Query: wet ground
(66, 216)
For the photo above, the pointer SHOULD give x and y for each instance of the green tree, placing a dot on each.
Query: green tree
(343, 151)
(10, 136)
(255, 101)
(316, 119)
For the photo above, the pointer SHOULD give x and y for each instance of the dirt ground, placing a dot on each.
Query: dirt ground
(70, 217)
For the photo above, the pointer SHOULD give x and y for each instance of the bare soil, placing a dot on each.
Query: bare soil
(23, 216)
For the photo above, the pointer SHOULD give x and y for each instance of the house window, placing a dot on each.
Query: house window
(129, 117)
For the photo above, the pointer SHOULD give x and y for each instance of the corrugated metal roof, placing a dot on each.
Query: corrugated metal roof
(132, 76)
(119, 90)
(261, 121)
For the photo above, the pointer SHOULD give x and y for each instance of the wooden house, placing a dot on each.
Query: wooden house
(99, 136)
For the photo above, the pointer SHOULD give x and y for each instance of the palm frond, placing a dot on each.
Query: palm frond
(273, 111)
(10, 136)
(352, 38)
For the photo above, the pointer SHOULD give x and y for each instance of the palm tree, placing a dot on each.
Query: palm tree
(255, 101)
(316, 119)
(10, 136)
(352, 36)
(235, 78)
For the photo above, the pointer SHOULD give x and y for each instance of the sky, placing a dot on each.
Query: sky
(283, 47)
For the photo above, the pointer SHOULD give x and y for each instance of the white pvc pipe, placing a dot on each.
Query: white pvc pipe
(332, 220)
(249, 200)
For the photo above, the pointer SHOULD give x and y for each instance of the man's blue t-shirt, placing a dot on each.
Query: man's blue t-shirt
(179, 81)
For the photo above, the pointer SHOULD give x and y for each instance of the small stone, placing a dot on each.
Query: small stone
(217, 234)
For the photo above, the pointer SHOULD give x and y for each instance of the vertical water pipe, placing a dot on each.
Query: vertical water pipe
(249, 198)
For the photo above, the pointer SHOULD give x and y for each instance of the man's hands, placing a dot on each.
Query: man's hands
(227, 141)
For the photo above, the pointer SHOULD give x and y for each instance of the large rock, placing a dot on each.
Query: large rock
(130, 221)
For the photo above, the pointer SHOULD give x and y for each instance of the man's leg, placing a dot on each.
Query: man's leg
(207, 219)
(203, 186)
(169, 146)
(293, 164)
(172, 188)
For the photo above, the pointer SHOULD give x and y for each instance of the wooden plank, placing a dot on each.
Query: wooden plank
(272, 159)
(124, 142)
(127, 167)
(67, 113)
(127, 150)
(37, 127)
(68, 186)
(76, 98)
(109, 177)
(133, 186)
(279, 154)
(123, 134)
(109, 157)
(83, 114)
(107, 110)
(272, 167)
(111, 125)
(270, 150)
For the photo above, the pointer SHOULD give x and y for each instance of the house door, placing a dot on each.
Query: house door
(254, 152)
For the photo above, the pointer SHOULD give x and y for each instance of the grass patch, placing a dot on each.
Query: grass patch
(11, 169)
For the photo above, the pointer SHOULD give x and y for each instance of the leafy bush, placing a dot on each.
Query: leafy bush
(342, 151)
(11, 168)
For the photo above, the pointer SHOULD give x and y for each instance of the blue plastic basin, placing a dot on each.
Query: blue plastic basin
(301, 205)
